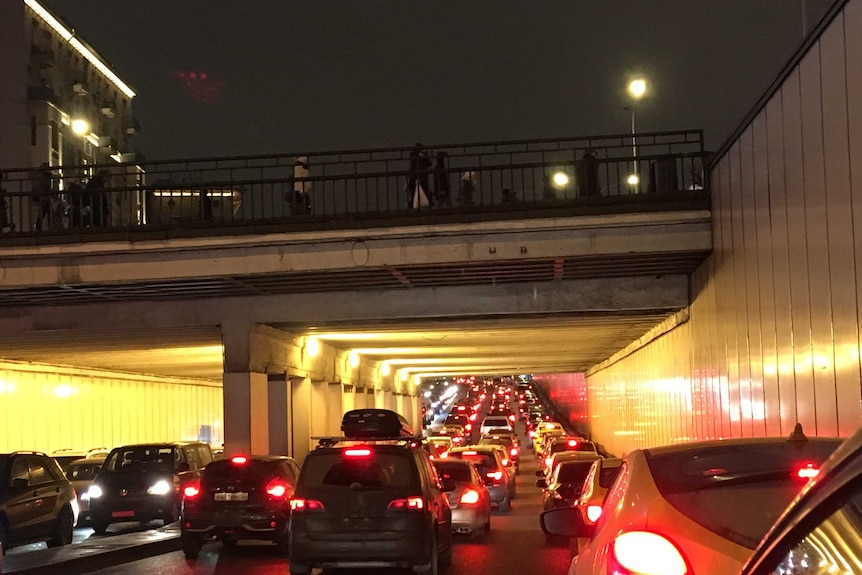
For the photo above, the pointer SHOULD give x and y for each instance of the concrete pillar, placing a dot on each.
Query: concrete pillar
(246, 428)
(317, 411)
(348, 399)
(278, 393)
(300, 417)
(334, 408)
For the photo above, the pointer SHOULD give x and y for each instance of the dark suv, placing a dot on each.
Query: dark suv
(371, 498)
(144, 482)
(241, 497)
(37, 502)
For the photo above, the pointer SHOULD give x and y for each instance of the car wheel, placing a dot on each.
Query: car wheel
(296, 569)
(99, 526)
(504, 506)
(191, 546)
(433, 568)
(62, 534)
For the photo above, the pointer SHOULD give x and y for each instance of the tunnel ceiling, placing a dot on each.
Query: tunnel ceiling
(444, 346)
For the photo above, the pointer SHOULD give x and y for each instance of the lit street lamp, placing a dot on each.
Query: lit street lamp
(637, 88)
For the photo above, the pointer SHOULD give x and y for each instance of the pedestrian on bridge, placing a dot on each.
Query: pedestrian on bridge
(441, 181)
(468, 188)
(300, 200)
(417, 182)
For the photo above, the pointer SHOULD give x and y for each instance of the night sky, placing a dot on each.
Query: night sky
(244, 77)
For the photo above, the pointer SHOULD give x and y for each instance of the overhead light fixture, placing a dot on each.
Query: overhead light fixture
(80, 126)
(312, 346)
(405, 375)
(385, 368)
(353, 359)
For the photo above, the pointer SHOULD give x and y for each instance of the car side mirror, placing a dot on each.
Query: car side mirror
(542, 484)
(448, 485)
(565, 522)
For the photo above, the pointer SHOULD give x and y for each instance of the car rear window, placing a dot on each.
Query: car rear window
(573, 471)
(251, 470)
(737, 490)
(505, 441)
(495, 422)
(477, 458)
(379, 469)
(453, 471)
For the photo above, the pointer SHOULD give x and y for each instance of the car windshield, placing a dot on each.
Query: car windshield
(573, 471)
(481, 459)
(736, 490)
(377, 469)
(140, 458)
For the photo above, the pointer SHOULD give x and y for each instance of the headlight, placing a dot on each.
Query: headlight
(160, 488)
(85, 496)
(94, 492)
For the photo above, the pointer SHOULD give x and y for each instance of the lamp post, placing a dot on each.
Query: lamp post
(637, 88)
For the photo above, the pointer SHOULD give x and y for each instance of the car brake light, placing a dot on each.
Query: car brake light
(239, 459)
(277, 488)
(303, 504)
(407, 503)
(548, 461)
(468, 427)
(444, 455)
(495, 475)
(513, 452)
(192, 490)
(532, 433)
(512, 417)
(457, 439)
(506, 463)
(365, 452)
(645, 552)
(807, 472)
(469, 497)
(594, 512)
(468, 453)
(573, 443)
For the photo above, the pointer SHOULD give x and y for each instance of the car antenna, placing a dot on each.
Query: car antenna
(797, 434)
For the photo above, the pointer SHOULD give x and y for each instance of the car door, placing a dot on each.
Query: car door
(21, 506)
(47, 491)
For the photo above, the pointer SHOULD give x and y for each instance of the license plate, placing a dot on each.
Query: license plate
(122, 514)
(238, 496)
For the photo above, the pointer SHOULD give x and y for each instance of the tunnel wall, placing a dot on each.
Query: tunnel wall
(773, 330)
(45, 408)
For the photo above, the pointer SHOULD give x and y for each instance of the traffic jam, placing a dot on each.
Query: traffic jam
(494, 481)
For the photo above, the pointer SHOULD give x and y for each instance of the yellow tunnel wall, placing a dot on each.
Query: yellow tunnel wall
(773, 334)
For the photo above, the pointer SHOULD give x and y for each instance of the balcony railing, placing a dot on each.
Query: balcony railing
(530, 178)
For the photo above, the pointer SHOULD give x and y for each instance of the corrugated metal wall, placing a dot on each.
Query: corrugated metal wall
(773, 336)
(43, 408)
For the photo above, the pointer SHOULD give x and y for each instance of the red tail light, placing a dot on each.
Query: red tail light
(468, 453)
(277, 488)
(192, 490)
(469, 497)
(513, 452)
(303, 504)
(512, 417)
(645, 552)
(594, 512)
(807, 472)
(414, 502)
(468, 427)
(548, 461)
(572, 443)
(495, 475)
(457, 439)
(532, 433)
(239, 459)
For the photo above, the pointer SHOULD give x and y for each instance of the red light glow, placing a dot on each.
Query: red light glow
(594, 512)
(277, 489)
(239, 459)
(364, 452)
(414, 502)
(807, 472)
(192, 490)
(303, 504)
(469, 497)
(645, 552)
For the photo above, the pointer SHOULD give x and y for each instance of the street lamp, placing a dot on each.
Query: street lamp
(637, 88)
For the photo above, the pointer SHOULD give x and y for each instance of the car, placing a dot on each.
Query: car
(542, 429)
(37, 502)
(603, 472)
(490, 463)
(438, 445)
(66, 456)
(820, 532)
(370, 498)
(242, 497)
(81, 474)
(462, 420)
(470, 500)
(494, 422)
(508, 441)
(142, 482)
(455, 431)
(564, 485)
(566, 443)
(699, 507)
(562, 456)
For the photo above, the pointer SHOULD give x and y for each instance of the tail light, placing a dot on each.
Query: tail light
(594, 512)
(506, 463)
(513, 452)
(512, 417)
(192, 490)
(807, 472)
(572, 443)
(363, 452)
(644, 552)
(548, 461)
(495, 475)
(532, 433)
(277, 488)
(414, 502)
(468, 427)
(303, 504)
(457, 439)
(239, 459)
(469, 497)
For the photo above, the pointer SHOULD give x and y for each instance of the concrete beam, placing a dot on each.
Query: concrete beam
(642, 293)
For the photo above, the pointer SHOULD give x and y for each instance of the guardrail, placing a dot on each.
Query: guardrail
(218, 193)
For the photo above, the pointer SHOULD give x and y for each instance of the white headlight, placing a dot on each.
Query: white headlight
(85, 496)
(94, 492)
(160, 488)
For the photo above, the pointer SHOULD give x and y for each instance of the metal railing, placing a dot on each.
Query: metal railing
(482, 178)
